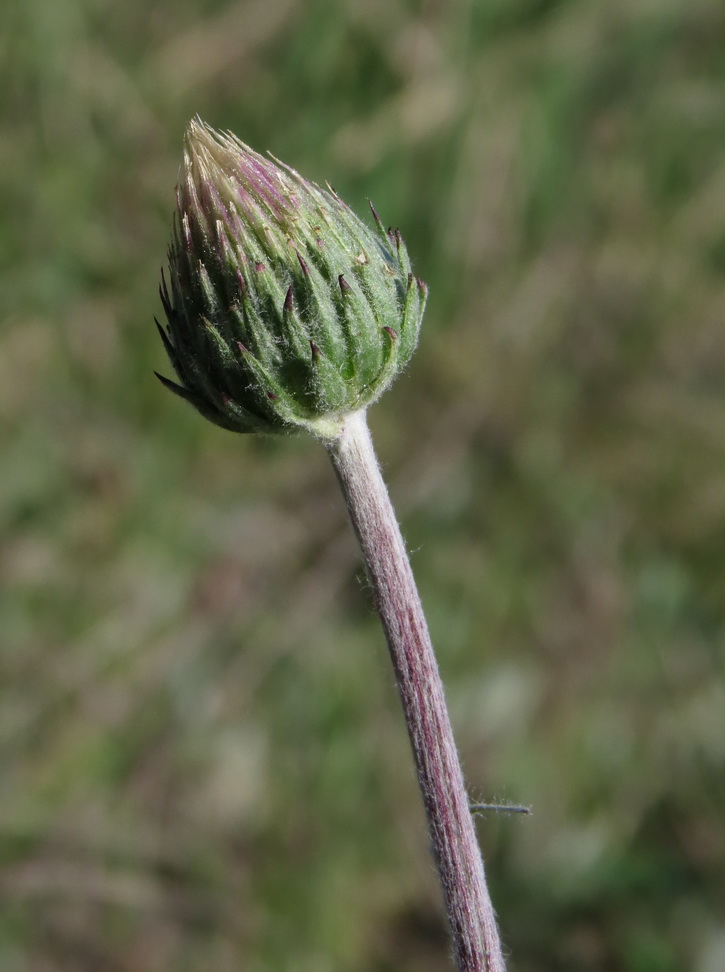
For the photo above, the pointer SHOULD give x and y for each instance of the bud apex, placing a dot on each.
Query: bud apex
(284, 310)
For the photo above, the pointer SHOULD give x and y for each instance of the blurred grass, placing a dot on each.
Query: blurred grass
(203, 764)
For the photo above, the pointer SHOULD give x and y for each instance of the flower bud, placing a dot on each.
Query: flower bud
(285, 311)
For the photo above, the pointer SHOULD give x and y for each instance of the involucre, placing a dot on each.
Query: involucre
(285, 311)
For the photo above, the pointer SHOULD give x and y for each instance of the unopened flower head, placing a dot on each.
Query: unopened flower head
(284, 310)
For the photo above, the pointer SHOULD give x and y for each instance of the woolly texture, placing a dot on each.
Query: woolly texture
(474, 933)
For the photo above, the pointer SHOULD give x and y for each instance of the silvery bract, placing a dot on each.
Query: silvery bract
(284, 310)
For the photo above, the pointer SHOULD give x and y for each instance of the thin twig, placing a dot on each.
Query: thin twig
(481, 808)
(470, 913)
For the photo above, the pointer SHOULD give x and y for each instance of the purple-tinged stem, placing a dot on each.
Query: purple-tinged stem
(476, 944)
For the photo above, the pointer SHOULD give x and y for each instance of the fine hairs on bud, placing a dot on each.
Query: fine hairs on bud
(285, 312)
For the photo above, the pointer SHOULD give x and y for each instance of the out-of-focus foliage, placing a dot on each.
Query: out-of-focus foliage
(202, 761)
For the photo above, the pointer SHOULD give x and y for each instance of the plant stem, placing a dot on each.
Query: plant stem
(468, 905)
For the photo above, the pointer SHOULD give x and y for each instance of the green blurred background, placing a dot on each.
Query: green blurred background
(203, 765)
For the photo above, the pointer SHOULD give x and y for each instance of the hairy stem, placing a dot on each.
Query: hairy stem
(468, 905)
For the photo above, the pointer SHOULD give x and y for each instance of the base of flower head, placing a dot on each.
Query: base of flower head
(327, 428)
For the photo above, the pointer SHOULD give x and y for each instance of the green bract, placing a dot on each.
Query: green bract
(284, 310)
